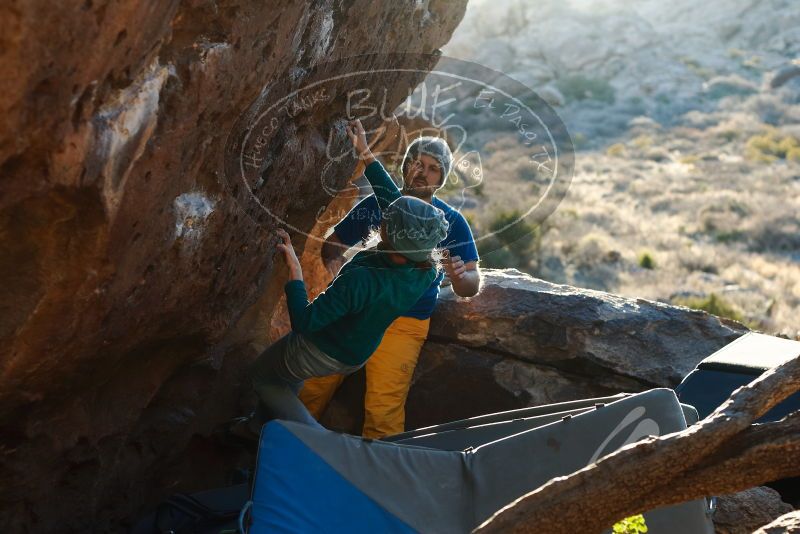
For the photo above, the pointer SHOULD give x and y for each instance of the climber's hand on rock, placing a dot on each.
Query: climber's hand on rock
(359, 139)
(285, 246)
(391, 133)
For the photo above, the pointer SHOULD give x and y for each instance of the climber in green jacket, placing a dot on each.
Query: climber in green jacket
(341, 328)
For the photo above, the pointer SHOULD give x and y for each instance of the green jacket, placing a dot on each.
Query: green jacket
(348, 319)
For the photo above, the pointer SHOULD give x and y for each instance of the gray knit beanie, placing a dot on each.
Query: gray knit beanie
(414, 227)
(436, 147)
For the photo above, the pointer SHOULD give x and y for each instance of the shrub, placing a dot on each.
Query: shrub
(663, 99)
(592, 251)
(495, 255)
(771, 146)
(527, 173)
(579, 140)
(509, 227)
(657, 155)
(646, 261)
(616, 150)
(470, 218)
(712, 304)
(730, 236)
(724, 86)
(787, 144)
(698, 262)
(694, 66)
(514, 243)
(770, 108)
(728, 135)
(753, 62)
(456, 185)
(582, 88)
(642, 142)
(631, 525)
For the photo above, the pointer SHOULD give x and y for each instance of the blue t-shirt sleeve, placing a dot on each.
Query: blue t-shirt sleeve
(359, 222)
(459, 240)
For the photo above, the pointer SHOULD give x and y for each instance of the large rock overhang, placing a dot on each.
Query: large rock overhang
(127, 260)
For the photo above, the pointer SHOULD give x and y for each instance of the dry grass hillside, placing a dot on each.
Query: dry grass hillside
(687, 171)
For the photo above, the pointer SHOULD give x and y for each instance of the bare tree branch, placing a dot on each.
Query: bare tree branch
(625, 482)
(762, 453)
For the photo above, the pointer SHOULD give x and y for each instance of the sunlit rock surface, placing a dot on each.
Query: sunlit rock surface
(786, 524)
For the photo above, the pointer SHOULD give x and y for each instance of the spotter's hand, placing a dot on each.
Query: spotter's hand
(454, 266)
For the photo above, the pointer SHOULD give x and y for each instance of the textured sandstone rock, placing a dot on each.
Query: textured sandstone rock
(126, 260)
(532, 342)
(577, 329)
(525, 342)
(746, 511)
(786, 524)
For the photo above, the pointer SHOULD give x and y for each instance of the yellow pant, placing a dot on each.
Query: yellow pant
(389, 372)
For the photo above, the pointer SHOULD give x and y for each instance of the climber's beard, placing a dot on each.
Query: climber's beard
(418, 187)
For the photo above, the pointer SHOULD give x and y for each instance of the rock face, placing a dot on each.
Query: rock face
(786, 524)
(746, 511)
(549, 343)
(525, 342)
(126, 261)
